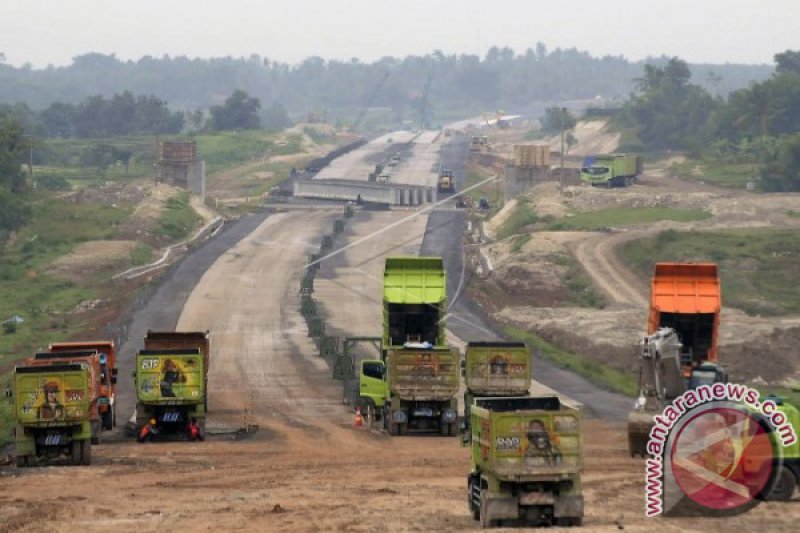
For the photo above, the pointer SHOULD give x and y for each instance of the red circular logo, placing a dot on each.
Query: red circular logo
(722, 458)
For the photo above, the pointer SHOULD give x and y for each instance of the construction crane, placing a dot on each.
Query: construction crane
(370, 99)
(424, 110)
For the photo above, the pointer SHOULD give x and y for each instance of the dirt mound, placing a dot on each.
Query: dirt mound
(112, 194)
(584, 198)
(90, 257)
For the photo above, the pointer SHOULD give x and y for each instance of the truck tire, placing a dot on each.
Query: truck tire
(108, 419)
(402, 428)
(444, 429)
(86, 452)
(75, 455)
(453, 429)
(784, 485)
(22, 461)
(474, 510)
(394, 429)
(486, 520)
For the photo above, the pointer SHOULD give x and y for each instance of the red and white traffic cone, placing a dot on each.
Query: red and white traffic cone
(359, 421)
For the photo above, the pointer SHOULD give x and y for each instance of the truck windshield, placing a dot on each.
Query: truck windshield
(595, 171)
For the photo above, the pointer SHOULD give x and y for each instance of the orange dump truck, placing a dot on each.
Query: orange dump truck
(108, 372)
(679, 351)
(686, 297)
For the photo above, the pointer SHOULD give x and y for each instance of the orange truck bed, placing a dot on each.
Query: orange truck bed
(687, 297)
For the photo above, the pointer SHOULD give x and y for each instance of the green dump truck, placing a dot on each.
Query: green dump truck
(495, 369)
(170, 388)
(415, 382)
(527, 456)
(612, 170)
(52, 408)
(784, 459)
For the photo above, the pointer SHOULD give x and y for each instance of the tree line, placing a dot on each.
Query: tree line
(459, 84)
(759, 123)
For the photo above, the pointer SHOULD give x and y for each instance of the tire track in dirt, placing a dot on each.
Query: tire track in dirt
(598, 256)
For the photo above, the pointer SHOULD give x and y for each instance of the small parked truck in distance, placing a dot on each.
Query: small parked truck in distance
(52, 411)
(108, 368)
(527, 457)
(446, 181)
(612, 170)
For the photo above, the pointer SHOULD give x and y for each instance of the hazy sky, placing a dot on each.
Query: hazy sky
(716, 31)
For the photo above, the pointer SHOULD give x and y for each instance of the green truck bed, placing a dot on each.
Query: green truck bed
(170, 377)
(504, 431)
(414, 301)
(497, 368)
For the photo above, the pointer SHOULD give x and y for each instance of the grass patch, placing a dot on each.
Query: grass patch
(625, 216)
(231, 148)
(795, 214)
(519, 241)
(734, 175)
(582, 292)
(141, 254)
(595, 372)
(758, 267)
(178, 218)
(6, 414)
(523, 215)
(491, 191)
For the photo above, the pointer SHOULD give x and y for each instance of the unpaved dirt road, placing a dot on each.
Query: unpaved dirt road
(307, 468)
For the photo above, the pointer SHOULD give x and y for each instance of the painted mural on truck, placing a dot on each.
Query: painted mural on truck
(170, 378)
(53, 398)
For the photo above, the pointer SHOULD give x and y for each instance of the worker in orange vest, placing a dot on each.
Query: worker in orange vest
(148, 431)
(193, 431)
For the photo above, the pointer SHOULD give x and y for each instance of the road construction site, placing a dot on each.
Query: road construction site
(306, 468)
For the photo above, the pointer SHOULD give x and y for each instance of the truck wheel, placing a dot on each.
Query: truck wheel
(444, 429)
(86, 452)
(453, 429)
(22, 461)
(783, 486)
(402, 428)
(474, 510)
(486, 520)
(75, 452)
(394, 429)
(108, 419)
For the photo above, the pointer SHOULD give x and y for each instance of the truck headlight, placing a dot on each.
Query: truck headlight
(399, 417)
(449, 415)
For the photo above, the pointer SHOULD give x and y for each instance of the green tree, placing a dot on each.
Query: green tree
(782, 172)
(239, 112)
(276, 117)
(788, 61)
(555, 118)
(668, 111)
